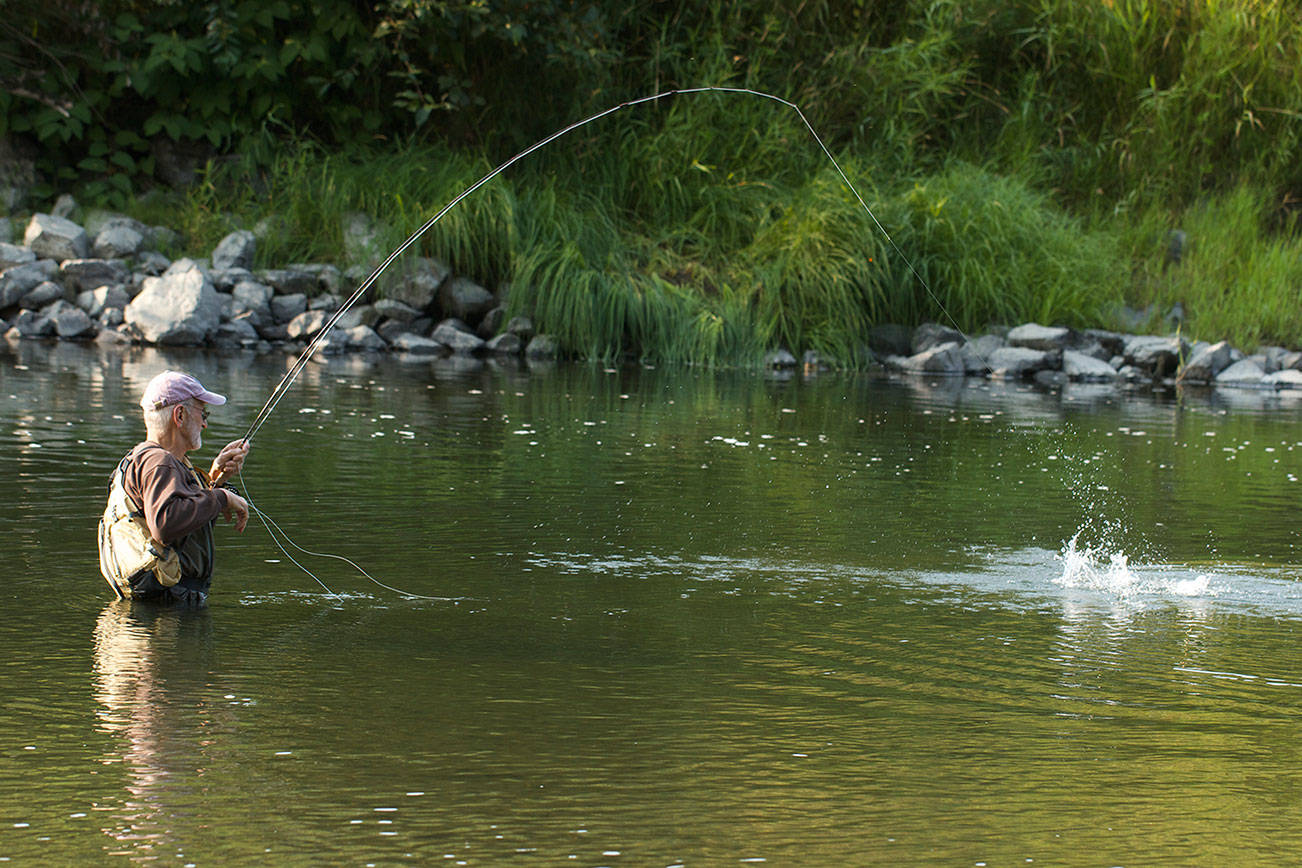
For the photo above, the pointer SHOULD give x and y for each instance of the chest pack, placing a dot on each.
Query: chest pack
(126, 548)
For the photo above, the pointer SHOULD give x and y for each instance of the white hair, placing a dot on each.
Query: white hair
(157, 420)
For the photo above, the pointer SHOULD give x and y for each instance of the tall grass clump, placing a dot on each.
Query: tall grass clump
(1238, 278)
(992, 250)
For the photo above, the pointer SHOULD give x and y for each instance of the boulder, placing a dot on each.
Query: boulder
(1157, 357)
(491, 324)
(15, 254)
(117, 241)
(70, 321)
(1112, 343)
(30, 324)
(505, 344)
(83, 274)
(307, 324)
(943, 359)
(417, 345)
(1034, 336)
(1084, 368)
(977, 352)
(544, 347)
(255, 296)
(41, 295)
(94, 301)
(289, 281)
(226, 279)
(152, 262)
(235, 250)
(392, 309)
(521, 327)
(889, 339)
(56, 238)
(419, 286)
(19, 280)
(64, 206)
(930, 334)
(366, 339)
(464, 299)
(285, 307)
(1012, 363)
(111, 317)
(112, 337)
(1285, 378)
(1206, 362)
(779, 358)
(326, 301)
(1242, 374)
(237, 332)
(454, 336)
(181, 307)
(329, 280)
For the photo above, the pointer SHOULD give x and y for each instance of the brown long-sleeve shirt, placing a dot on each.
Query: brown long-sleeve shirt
(174, 500)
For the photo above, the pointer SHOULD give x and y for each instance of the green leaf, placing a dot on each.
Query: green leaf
(93, 164)
(123, 159)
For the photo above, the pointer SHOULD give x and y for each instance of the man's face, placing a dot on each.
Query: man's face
(191, 423)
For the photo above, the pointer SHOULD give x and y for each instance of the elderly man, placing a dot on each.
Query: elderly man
(156, 539)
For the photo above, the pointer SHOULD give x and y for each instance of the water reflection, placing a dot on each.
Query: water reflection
(152, 665)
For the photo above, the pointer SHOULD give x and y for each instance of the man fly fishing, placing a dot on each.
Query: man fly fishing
(155, 539)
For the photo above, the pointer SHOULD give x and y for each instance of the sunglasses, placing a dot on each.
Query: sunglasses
(203, 411)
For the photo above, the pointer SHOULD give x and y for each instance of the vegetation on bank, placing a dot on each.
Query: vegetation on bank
(1029, 160)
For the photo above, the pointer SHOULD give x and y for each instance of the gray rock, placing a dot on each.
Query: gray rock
(464, 299)
(6, 235)
(542, 348)
(943, 359)
(289, 281)
(366, 339)
(419, 286)
(31, 324)
(1111, 342)
(779, 358)
(56, 238)
(83, 274)
(505, 344)
(236, 250)
(64, 206)
(1206, 362)
(976, 353)
(226, 279)
(181, 307)
(112, 337)
(97, 220)
(111, 317)
(1011, 363)
(19, 280)
(1286, 378)
(1157, 357)
(1037, 337)
(41, 295)
(237, 332)
(285, 307)
(307, 324)
(153, 263)
(366, 315)
(14, 254)
(491, 324)
(457, 339)
(392, 309)
(71, 322)
(1292, 361)
(327, 301)
(521, 327)
(1084, 368)
(1242, 374)
(1275, 358)
(417, 345)
(328, 278)
(889, 339)
(275, 331)
(255, 296)
(349, 319)
(117, 241)
(930, 334)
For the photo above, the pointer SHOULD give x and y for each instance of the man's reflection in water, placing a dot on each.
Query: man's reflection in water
(153, 670)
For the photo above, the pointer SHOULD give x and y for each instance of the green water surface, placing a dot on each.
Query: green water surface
(680, 617)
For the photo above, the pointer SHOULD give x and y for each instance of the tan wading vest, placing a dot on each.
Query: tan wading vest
(125, 547)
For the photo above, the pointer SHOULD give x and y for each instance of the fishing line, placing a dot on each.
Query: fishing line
(287, 381)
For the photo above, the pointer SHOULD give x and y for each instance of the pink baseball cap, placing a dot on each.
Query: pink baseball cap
(173, 387)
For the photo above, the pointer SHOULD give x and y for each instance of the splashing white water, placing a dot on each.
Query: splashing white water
(1111, 572)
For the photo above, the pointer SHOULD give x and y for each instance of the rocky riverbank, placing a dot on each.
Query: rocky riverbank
(107, 281)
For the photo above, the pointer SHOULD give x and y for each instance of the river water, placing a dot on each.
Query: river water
(665, 617)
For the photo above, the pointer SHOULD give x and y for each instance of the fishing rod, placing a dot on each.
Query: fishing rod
(291, 375)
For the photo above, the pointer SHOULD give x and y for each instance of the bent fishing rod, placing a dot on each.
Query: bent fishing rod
(278, 393)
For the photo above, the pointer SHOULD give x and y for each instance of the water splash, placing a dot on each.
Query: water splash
(1109, 571)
